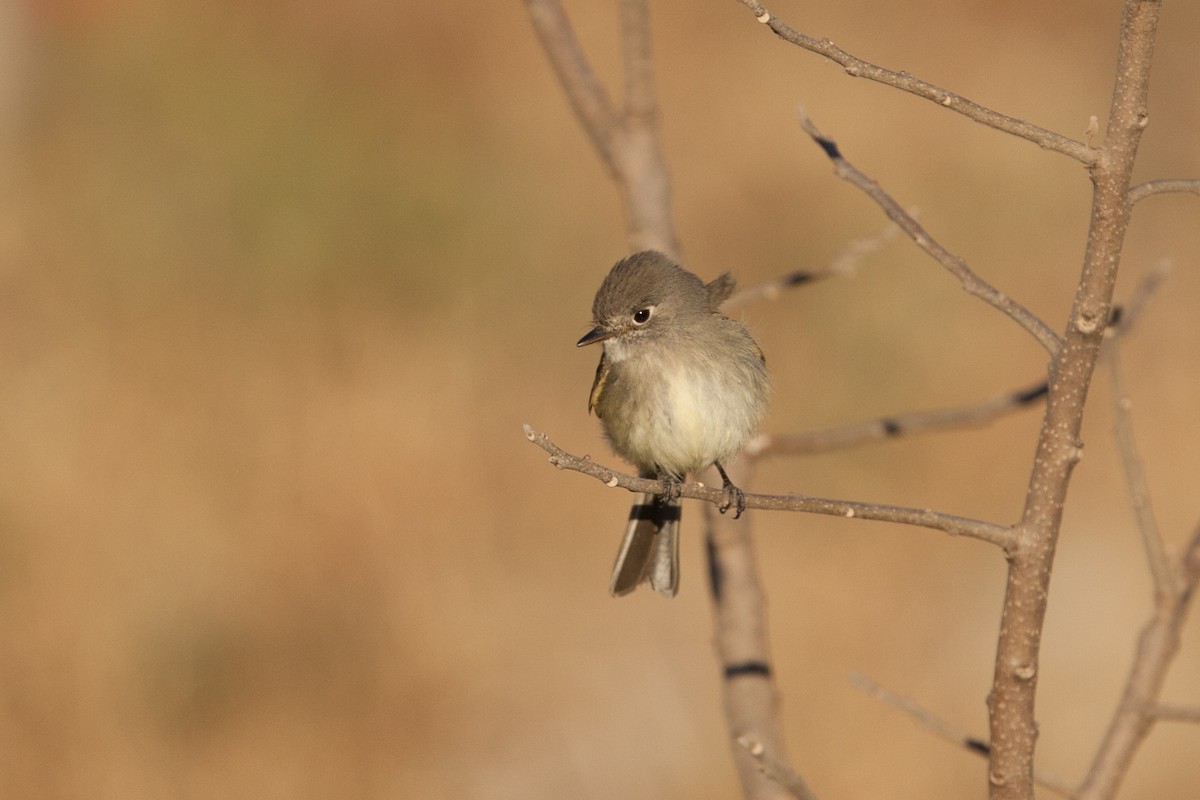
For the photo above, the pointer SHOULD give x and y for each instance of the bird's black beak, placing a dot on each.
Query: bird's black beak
(595, 335)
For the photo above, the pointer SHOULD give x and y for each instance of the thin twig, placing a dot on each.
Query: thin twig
(920, 517)
(1131, 311)
(748, 691)
(1166, 186)
(944, 730)
(1169, 713)
(642, 172)
(636, 51)
(956, 265)
(628, 142)
(1135, 478)
(926, 719)
(892, 427)
(770, 290)
(584, 91)
(858, 68)
(1173, 582)
(630, 146)
(1165, 578)
(1138, 709)
(775, 769)
(843, 264)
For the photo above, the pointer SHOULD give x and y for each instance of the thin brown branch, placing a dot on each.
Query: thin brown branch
(1139, 709)
(637, 55)
(892, 427)
(926, 719)
(1165, 578)
(643, 177)
(584, 91)
(1134, 717)
(631, 149)
(775, 770)
(843, 264)
(1135, 480)
(748, 692)
(1170, 713)
(944, 730)
(627, 143)
(1131, 311)
(956, 265)
(1190, 560)
(1014, 686)
(920, 517)
(1166, 186)
(858, 68)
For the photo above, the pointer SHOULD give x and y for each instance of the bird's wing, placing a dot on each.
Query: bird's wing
(598, 384)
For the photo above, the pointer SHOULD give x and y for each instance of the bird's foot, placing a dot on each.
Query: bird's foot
(733, 495)
(674, 487)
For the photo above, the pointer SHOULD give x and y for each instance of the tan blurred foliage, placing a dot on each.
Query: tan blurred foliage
(280, 282)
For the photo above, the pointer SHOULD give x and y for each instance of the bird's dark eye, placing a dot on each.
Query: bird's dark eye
(641, 316)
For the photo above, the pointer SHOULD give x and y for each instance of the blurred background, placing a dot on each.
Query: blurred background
(280, 283)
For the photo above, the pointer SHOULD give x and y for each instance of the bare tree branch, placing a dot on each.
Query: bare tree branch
(1168, 713)
(1014, 687)
(843, 264)
(770, 290)
(775, 770)
(858, 68)
(1150, 188)
(630, 147)
(944, 730)
(587, 97)
(1131, 462)
(926, 719)
(637, 53)
(748, 691)
(1174, 584)
(921, 517)
(627, 143)
(971, 282)
(891, 427)
(1137, 712)
(1125, 317)
(642, 171)
(1138, 709)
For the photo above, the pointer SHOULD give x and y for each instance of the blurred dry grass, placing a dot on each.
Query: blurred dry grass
(280, 284)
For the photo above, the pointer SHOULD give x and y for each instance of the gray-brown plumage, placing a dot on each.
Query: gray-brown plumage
(679, 388)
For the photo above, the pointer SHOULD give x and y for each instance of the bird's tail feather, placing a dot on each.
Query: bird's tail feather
(650, 550)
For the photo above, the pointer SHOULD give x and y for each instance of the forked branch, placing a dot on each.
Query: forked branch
(629, 145)
(1012, 722)
(956, 265)
(1175, 580)
(627, 142)
(858, 68)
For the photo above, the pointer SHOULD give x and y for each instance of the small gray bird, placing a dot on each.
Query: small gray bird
(680, 387)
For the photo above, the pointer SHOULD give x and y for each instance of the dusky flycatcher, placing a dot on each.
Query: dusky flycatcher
(680, 387)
